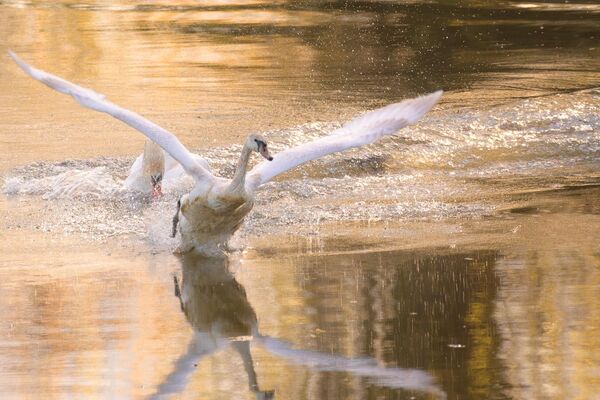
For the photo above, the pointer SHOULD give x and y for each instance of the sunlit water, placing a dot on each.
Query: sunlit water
(458, 259)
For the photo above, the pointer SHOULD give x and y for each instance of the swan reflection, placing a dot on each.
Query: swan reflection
(217, 308)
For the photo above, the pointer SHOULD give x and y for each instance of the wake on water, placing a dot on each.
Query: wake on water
(440, 168)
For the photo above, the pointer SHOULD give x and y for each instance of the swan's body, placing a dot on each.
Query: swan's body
(214, 210)
(216, 207)
(210, 217)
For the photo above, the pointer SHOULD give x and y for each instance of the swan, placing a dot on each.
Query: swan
(215, 208)
(147, 171)
(153, 168)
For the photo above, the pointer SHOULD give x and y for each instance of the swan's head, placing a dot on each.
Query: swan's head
(153, 164)
(259, 144)
(156, 180)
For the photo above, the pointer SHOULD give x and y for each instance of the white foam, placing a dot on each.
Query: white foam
(432, 170)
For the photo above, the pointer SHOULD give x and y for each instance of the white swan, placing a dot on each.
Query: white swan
(216, 207)
(155, 167)
(147, 171)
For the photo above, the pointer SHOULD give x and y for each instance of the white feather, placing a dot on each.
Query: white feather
(360, 131)
(90, 99)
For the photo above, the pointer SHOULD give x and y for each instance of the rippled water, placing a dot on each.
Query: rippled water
(442, 168)
(458, 259)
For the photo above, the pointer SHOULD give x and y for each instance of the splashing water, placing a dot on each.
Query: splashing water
(440, 168)
(95, 183)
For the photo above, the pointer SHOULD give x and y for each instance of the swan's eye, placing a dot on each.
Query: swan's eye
(156, 179)
(261, 145)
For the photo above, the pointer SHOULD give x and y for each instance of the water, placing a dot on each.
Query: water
(458, 259)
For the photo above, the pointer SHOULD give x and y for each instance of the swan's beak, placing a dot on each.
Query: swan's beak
(264, 151)
(156, 191)
(156, 186)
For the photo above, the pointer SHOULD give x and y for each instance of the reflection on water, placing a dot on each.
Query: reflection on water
(494, 320)
(217, 308)
(407, 309)
(547, 310)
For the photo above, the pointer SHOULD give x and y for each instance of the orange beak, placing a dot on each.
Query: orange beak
(265, 153)
(156, 191)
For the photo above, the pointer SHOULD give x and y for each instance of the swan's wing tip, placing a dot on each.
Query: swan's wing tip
(432, 98)
(421, 105)
(437, 94)
(84, 96)
(22, 64)
(12, 55)
(28, 69)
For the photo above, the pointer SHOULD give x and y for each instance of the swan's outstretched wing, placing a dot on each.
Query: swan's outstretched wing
(90, 99)
(360, 131)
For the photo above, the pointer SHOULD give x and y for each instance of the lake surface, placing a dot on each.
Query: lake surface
(459, 259)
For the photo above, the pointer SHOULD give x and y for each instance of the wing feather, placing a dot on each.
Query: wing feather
(96, 101)
(360, 131)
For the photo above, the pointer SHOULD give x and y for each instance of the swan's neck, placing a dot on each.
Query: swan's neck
(153, 160)
(239, 178)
